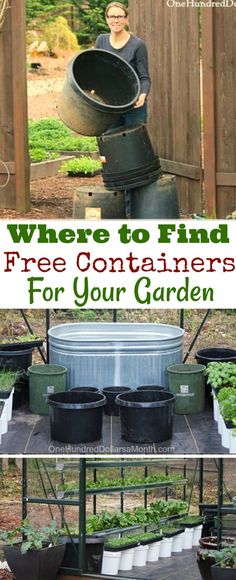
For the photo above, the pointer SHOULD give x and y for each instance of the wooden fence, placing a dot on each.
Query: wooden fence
(192, 105)
(14, 156)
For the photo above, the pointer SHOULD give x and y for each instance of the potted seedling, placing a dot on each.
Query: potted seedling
(195, 522)
(225, 566)
(21, 342)
(172, 540)
(126, 548)
(221, 375)
(82, 167)
(33, 554)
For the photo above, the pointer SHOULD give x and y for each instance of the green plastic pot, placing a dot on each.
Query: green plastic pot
(187, 383)
(41, 378)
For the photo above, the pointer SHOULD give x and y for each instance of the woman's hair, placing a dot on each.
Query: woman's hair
(119, 5)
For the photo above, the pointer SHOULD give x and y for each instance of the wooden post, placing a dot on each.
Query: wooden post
(13, 111)
(209, 141)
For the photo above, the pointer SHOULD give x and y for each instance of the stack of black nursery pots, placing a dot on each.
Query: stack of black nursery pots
(100, 87)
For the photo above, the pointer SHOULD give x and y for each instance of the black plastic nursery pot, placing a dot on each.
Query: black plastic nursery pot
(84, 389)
(218, 573)
(205, 564)
(158, 199)
(207, 355)
(128, 158)
(20, 345)
(21, 392)
(146, 416)
(16, 359)
(150, 388)
(111, 393)
(76, 417)
(100, 86)
(94, 553)
(35, 564)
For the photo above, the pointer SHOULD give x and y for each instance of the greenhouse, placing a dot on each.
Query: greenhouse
(124, 519)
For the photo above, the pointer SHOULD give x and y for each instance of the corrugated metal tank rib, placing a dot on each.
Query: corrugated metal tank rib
(106, 354)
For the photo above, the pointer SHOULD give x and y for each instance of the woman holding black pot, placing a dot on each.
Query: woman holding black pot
(134, 51)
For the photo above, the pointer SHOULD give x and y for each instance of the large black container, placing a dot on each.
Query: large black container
(111, 408)
(218, 573)
(156, 200)
(146, 416)
(100, 86)
(84, 389)
(207, 355)
(94, 553)
(76, 417)
(14, 360)
(96, 202)
(128, 158)
(40, 564)
(150, 388)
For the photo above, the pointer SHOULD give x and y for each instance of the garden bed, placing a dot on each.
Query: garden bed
(48, 168)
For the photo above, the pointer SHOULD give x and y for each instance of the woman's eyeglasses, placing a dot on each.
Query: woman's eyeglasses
(119, 18)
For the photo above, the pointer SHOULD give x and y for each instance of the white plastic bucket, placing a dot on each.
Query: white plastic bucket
(188, 539)
(110, 563)
(140, 555)
(178, 542)
(126, 559)
(197, 533)
(153, 552)
(166, 547)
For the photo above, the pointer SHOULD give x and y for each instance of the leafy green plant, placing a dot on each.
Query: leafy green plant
(121, 542)
(228, 407)
(226, 557)
(132, 481)
(51, 134)
(33, 539)
(81, 165)
(191, 520)
(7, 379)
(23, 338)
(38, 155)
(221, 374)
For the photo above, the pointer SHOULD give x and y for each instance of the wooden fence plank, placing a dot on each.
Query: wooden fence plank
(172, 39)
(13, 108)
(225, 90)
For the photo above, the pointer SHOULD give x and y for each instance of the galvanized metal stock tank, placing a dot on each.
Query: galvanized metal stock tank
(101, 354)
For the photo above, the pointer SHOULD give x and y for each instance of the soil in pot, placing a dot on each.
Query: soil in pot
(76, 417)
(35, 564)
(111, 393)
(146, 416)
